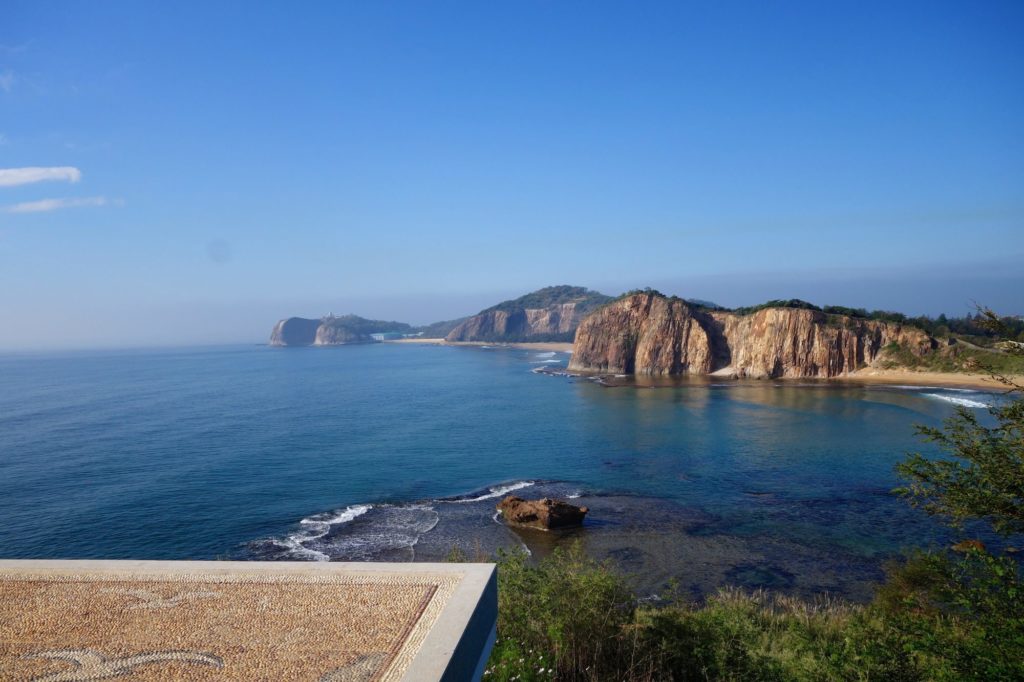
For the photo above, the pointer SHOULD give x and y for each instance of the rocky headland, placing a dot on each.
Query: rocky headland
(650, 334)
(331, 331)
(549, 314)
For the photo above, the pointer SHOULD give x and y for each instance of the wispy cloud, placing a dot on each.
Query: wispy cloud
(12, 177)
(7, 80)
(47, 205)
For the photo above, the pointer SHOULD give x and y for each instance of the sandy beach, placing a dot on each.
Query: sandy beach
(869, 375)
(952, 379)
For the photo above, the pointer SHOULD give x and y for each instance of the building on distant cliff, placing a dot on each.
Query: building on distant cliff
(387, 336)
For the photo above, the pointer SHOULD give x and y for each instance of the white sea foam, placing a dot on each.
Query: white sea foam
(573, 496)
(320, 524)
(497, 491)
(963, 402)
(933, 388)
(294, 547)
(549, 354)
(544, 361)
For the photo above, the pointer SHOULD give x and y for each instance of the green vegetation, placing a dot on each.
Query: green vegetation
(791, 303)
(975, 328)
(439, 330)
(956, 358)
(953, 615)
(572, 618)
(585, 299)
(360, 325)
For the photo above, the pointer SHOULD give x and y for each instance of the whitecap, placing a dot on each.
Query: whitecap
(320, 524)
(947, 389)
(496, 491)
(963, 402)
(294, 548)
(392, 528)
(549, 354)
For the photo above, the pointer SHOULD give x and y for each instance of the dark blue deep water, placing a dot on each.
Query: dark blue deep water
(399, 452)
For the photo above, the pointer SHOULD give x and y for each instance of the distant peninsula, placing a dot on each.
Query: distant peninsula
(548, 314)
(334, 331)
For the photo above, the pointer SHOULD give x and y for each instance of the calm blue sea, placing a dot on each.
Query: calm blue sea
(396, 452)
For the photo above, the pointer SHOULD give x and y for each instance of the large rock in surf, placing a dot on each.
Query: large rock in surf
(648, 333)
(544, 514)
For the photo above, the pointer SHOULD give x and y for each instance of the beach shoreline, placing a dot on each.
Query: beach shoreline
(872, 375)
(562, 347)
(867, 375)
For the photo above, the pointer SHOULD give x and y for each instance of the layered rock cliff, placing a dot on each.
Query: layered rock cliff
(549, 314)
(647, 333)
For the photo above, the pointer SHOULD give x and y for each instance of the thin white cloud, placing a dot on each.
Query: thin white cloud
(47, 205)
(6, 80)
(12, 177)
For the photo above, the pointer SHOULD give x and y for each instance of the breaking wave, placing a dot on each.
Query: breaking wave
(496, 491)
(385, 532)
(963, 402)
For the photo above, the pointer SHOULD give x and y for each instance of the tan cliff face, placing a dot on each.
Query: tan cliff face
(650, 334)
(643, 334)
(517, 325)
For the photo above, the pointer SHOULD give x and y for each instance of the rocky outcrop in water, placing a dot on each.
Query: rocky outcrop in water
(549, 314)
(647, 333)
(545, 514)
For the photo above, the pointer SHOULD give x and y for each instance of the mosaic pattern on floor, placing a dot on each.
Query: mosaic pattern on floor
(336, 627)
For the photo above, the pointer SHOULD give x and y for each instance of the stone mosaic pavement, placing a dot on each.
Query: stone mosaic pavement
(218, 625)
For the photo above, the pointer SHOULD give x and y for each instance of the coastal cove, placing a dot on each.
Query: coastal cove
(866, 375)
(399, 451)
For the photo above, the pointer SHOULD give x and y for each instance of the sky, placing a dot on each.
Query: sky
(191, 172)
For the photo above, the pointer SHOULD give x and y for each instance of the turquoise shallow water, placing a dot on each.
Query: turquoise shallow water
(399, 452)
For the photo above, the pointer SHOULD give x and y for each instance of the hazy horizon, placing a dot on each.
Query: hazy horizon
(190, 174)
(251, 321)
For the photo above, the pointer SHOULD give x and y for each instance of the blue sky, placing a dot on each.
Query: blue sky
(215, 166)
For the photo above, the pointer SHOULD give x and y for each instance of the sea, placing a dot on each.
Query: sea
(399, 452)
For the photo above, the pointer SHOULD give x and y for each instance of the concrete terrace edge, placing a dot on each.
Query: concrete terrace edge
(455, 649)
